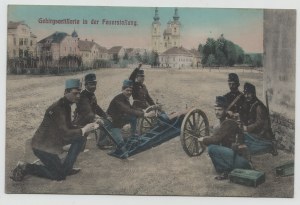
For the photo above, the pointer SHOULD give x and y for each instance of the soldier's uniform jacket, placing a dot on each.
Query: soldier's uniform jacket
(237, 107)
(86, 109)
(56, 129)
(256, 119)
(140, 94)
(229, 132)
(120, 109)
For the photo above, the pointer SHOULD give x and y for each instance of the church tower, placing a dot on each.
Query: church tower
(176, 30)
(156, 36)
(171, 36)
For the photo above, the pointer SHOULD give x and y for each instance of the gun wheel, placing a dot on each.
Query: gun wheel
(195, 125)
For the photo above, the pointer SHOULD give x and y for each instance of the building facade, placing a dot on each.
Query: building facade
(21, 42)
(176, 57)
(57, 48)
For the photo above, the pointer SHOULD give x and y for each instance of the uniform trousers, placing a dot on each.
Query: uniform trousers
(225, 159)
(53, 167)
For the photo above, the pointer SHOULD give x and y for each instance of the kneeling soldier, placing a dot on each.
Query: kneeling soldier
(222, 147)
(55, 131)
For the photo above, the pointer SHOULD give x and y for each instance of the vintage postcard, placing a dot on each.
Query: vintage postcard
(163, 101)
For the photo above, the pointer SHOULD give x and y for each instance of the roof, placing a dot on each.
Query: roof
(85, 45)
(114, 49)
(101, 49)
(195, 52)
(32, 35)
(56, 37)
(14, 25)
(177, 51)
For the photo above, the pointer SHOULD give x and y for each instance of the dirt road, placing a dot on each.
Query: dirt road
(163, 170)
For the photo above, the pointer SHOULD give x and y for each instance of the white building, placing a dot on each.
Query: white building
(57, 47)
(21, 42)
(176, 57)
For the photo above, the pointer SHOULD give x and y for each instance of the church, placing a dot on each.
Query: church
(168, 46)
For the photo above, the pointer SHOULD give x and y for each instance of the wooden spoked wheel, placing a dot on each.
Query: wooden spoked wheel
(194, 126)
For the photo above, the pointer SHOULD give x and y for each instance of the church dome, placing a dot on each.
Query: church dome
(74, 34)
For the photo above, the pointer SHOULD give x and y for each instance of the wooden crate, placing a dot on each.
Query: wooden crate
(286, 169)
(247, 177)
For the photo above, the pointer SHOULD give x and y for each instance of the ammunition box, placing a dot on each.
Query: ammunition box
(286, 169)
(247, 177)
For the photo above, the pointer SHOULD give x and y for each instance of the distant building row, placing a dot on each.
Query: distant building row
(60, 46)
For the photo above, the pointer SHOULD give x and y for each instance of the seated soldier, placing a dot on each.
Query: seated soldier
(258, 134)
(221, 143)
(122, 113)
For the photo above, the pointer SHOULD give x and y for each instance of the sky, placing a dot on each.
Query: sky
(242, 26)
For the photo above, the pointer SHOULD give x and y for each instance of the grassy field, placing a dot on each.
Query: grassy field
(163, 170)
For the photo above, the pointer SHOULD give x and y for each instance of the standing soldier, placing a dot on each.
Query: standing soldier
(258, 133)
(140, 95)
(88, 110)
(234, 98)
(87, 107)
(55, 131)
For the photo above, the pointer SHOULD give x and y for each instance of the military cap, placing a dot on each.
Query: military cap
(233, 77)
(90, 77)
(127, 83)
(140, 73)
(249, 88)
(72, 83)
(221, 102)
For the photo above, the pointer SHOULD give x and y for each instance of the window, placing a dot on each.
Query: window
(174, 30)
(20, 53)
(14, 52)
(30, 42)
(25, 41)
(21, 41)
(15, 41)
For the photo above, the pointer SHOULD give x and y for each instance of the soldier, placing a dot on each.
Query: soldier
(88, 110)
(221, 143)
(87, 107)
(140, 95)
(233, 83)
(55, 131)
(122, 112)
(258, 133)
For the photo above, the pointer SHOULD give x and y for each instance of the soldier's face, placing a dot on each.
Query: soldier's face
(91, 86)
(127, 92)
(249, 96)
(140, 79)
(220, 112)
(73, 96)
(233, 86)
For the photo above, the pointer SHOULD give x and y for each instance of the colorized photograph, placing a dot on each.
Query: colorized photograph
(150, 101)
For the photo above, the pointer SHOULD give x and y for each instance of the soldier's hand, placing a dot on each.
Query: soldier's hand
(98, 120)
(150, 114)
(200, 139)
(89, 127)
(230, 114)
